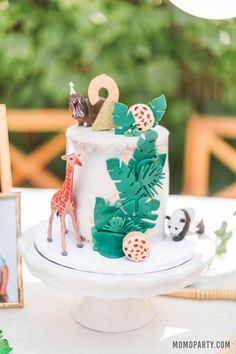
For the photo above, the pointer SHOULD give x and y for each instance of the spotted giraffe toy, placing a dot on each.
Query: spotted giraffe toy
(63, 203)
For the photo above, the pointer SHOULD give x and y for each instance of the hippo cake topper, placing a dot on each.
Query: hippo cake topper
(182, 222)
(82, 109)
(95, 111)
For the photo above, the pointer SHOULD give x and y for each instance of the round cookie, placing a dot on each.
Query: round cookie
(143, 115)
(136, 246)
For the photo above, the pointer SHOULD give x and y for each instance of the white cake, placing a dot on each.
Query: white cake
(92, 179)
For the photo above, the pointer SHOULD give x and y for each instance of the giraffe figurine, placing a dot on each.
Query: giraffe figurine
(63, 203)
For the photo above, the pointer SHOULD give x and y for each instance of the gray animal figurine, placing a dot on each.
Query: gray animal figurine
(183, 221)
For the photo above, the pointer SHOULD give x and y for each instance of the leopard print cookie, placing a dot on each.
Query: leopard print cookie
(136, 246)
(144, 117)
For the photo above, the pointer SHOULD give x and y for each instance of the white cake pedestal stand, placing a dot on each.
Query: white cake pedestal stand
(114, 303)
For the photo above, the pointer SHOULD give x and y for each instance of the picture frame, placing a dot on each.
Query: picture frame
(11, 285)
(5, 161)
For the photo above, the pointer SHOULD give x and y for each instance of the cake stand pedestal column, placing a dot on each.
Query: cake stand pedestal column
(112, 315)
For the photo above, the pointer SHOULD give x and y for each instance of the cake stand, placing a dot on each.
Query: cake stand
(114, 302)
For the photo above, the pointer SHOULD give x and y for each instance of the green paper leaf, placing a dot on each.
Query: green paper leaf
(102, 213)
(146, 148)
(136, 183)
(150, 176)
(126, 183)
(158, 107)
(140, 212)
(146, 207)
(162, 159)
(122, 121)
(129, 207)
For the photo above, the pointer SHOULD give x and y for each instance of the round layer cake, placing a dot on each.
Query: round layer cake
(92, 179)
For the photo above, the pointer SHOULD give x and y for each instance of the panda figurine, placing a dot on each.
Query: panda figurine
(183, 221)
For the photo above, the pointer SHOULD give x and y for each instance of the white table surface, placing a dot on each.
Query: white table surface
(44, 325)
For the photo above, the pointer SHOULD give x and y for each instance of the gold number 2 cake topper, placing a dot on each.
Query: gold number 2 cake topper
(104, 119)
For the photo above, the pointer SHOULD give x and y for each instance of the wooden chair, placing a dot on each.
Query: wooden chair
(32, 167)
(5, 163)
(205, 137)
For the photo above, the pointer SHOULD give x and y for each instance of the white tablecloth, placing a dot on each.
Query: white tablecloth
(45, 325)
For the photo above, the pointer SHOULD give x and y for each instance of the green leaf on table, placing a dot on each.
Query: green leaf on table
(223, 237)
(4, 347)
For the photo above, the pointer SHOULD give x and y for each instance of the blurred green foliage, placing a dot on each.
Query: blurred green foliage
(148, 46)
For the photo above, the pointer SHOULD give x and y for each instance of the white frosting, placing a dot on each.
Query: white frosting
(93, 180)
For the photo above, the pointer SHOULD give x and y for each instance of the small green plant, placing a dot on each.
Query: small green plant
(4, 345)
(223, 236)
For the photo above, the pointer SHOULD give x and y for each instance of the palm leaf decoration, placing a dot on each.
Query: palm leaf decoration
(136, 183)
(131, 216)
(122, 121)
(150, 177)
(158, 107)
(141, 213)
(126, 183)
(146, 148)
(103, 213)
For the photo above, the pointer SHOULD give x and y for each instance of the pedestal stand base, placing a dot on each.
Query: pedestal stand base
(112, 315)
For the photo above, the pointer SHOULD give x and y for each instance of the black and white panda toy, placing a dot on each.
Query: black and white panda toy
(183, 221)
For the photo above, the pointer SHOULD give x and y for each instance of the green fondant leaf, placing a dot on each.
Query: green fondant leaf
(150, 176)
(162, 158)
(138, 213)
(126, 183)
(136, 183)
(122, 120)
(102, 213)
(146, 208)
(108, 244)
(146, 148)
(158, 107)
(130, 207)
